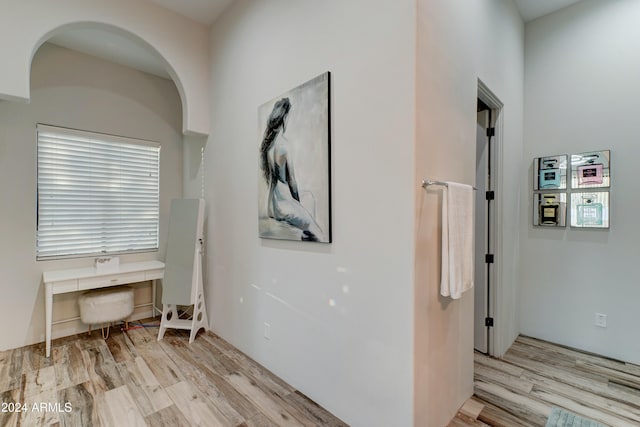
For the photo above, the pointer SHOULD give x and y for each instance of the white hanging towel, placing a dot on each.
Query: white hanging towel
(457, 240)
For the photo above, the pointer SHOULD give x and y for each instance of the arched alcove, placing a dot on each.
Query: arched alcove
(116, 45)
(180, 44)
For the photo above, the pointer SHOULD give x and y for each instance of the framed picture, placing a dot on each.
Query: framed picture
(591, 169)
(550, 210)
(590, 209)
(294, 183)
(550, 173)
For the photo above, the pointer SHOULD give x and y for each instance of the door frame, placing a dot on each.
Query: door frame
(497, 338)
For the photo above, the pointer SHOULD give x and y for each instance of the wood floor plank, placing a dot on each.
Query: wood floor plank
(167, 417)
(472, 408)
(491, 362)
(39, 382)
(500, 377)
(211, 383)
(521, 406)
(581, 355)
(10, 369)
(569, 375)
(83, 405)
(498, 417)
(44, 408)
(249, 366)
(121, 347)
(312, 411)
(163, 368)
(259, 420)
(463, 420)
(10, 418)
(101, 368)
(194, 407)
(263, 401)
(121, 410)
(624, 394)
(70, 365)
(147, 392)
(601, 398)
(34, 358)
(612, 375)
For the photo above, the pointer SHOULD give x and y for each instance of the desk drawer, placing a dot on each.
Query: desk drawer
(65, 286)
(154, 274)
(104, 281)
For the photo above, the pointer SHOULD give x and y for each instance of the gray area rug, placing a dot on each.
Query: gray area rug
(561, 418)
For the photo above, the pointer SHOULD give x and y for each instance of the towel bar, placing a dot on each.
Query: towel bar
(428, 182)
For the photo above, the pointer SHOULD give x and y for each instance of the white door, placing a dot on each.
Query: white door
(481, 285)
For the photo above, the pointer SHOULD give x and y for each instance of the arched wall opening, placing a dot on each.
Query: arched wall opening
(136, 41)
(184, 49)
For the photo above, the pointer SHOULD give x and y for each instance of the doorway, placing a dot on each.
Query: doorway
(486, 234)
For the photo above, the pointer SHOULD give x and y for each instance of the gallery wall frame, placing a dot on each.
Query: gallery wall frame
(550, 172)
(591, 169)
(550, 209)
(294, 173)
(590, 209)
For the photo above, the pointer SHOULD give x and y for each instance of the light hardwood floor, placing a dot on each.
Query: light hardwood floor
(535, 375)
(131, 379)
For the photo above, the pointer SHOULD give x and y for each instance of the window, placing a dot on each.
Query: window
(97, 194)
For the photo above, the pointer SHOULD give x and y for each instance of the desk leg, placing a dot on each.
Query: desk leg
(153, 298)
(48, 301)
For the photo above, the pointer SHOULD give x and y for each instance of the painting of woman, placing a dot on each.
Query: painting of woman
(291, 147)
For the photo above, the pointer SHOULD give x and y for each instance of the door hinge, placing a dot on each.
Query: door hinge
(488, 258)
(488, 321)
(491, 132)
(490, 195)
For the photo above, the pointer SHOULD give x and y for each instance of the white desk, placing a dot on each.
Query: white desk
(81, 279)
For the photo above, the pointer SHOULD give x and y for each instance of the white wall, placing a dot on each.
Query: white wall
(459, 42)
(582, 93)
(355, 357)
(181, 43)
(77, 91)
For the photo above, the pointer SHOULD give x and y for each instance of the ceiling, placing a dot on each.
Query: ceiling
(204, 11)
(131, 52)
(532, 9)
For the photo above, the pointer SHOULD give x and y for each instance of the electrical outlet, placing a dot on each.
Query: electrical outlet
(267, 331)
(601, 320)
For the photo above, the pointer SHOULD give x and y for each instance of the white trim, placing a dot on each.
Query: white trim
(497, 332)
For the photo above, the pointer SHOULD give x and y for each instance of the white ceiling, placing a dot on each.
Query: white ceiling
(121, 49)
(532, 9)
(205, 11)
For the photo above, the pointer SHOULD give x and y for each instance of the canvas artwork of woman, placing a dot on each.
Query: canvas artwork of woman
(294, 164)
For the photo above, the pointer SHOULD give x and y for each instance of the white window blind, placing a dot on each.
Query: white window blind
(97, 194)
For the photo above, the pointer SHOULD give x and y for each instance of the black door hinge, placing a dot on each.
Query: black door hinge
(488, 258)
(491, 132)
(488, 321)
(490, 195)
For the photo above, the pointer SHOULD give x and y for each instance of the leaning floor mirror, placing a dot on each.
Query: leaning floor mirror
(182, 285)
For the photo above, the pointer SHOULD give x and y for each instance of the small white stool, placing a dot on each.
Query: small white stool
(106, 306)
